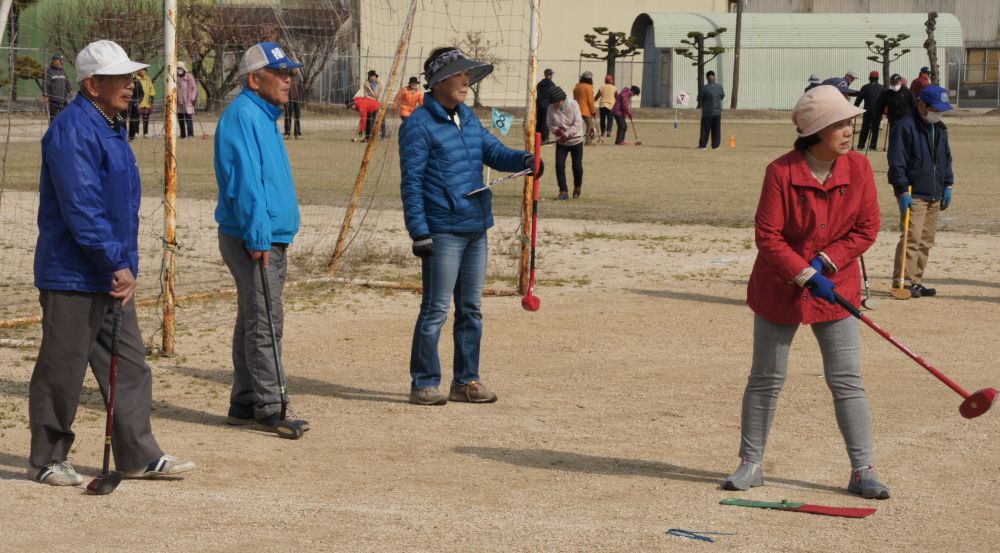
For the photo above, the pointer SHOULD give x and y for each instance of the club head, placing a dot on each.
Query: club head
(978, 403)
(901, 293)
(104, 483)
(289, 430)
(870, 304)
(531, 302)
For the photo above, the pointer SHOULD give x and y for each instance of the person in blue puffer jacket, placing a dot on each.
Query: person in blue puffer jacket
(442, 149)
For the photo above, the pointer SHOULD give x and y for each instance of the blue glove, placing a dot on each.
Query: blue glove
(821, 287)
(946, 200)
(817, 263)
(905, 202)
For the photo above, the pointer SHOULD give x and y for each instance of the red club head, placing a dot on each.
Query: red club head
(531, 302)
(978, 403)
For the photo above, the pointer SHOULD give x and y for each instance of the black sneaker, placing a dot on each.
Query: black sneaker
(274, 421)
(915, 290)
(923, 291)
(240, 415)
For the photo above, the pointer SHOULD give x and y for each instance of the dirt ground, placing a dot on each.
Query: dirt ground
(618, 418)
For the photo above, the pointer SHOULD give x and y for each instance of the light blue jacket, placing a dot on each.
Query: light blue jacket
(256, 193)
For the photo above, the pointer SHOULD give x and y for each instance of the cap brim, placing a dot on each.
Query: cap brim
(477, 71)
(940, 106)
(284, 65)
(121, 68)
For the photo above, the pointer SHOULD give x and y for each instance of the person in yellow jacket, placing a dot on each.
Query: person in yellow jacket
(607, 96)
(583, 93)
(409, 98)
(146, 104)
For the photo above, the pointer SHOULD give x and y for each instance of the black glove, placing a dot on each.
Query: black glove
(423, 246)
(529, 163)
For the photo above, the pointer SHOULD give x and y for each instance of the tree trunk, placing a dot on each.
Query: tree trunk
(612, 54)
(736, 56)
(885, 64)
(700, 41)
(15, 27)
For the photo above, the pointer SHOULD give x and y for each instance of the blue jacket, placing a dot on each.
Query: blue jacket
(439, 163)
(256, 193)
(89, 194)
(911, 162)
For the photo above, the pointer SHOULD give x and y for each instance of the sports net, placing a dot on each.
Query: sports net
(338, 41)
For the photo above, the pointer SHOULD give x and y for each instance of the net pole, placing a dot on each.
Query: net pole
(529, 144)
(359, 182)
(4, 12)
(168, 270)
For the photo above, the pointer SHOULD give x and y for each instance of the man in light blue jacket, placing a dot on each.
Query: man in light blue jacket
(258, 216)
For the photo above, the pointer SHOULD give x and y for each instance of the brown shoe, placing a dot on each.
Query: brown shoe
(427, 396)
(576, 192)
(473, 392)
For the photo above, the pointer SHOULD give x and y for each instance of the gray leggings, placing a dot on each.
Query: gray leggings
(840, 344)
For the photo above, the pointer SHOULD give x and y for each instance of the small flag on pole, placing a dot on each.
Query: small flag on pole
(501, 121)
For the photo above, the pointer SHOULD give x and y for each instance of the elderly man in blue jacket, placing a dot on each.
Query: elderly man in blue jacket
(442, 149)
(86, 262)
(258, 217)
(921, 176)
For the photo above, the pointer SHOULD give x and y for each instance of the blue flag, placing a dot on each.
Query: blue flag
(501, 121)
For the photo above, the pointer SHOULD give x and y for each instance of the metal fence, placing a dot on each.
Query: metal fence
(975, 85)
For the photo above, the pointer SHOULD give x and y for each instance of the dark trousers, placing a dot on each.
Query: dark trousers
(622, 127)
(133, 120)
(55, 108)
(76, 331)
(293, 111)
(710, 124)
(145, 123)
(577, 156)
(869, 125)
(541, 124)
(186, 121)
(607, 121)
(370, 123)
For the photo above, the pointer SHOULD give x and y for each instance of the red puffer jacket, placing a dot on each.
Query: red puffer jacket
(797, 218)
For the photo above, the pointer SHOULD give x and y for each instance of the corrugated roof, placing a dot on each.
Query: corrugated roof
(779, 30)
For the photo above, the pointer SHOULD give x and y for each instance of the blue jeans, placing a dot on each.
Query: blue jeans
(457, 269)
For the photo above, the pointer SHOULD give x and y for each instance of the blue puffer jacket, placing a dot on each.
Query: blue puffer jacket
(911, 162)
(89, 194)
(440, 163)
(256, 192)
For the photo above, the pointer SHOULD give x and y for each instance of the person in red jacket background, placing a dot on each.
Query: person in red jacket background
(368, 109)
(818, 211)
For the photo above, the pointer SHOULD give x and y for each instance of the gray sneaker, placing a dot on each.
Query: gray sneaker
(59, 473)
(427, 396)
(865, 481)
(748, 475)
(473, 392)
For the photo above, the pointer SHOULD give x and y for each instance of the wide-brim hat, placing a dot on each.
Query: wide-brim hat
(821, 107)
(104, 57)
(452, 63)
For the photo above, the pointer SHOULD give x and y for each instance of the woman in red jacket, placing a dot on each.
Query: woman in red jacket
(818, 212)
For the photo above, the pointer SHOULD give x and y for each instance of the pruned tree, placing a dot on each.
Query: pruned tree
(14, 26)
(931, 46)
(884, 51)
(476, 46)
(136, 25)
(613, 44)
(697, 51)
(27, 68)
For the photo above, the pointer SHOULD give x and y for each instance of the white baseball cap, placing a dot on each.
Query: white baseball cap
(104, 57)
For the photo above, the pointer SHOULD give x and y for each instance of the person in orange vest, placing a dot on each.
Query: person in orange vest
(408, 99)
(583, 93)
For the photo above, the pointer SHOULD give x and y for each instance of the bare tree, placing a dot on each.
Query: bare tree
(480, 49)
(214, 37)
(136, 25)
(883, 52)
(312, 34)
(696, 41)
(615, 45)
(931, 45)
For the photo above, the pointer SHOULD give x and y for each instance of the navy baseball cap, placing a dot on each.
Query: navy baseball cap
(841, 84)
(925, 69)
(935, 97)
(266, 54)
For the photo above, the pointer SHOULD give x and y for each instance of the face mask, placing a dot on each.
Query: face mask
(933, 117)
(895, 87)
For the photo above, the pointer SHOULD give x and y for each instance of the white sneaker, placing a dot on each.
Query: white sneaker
(168, 465)
(59, 473)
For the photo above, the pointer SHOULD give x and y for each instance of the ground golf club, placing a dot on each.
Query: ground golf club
(107, 481)
(531, 302)
(975, 404)
(869, 302)
(635, 133)
(903, 293)
(283, 428)
(500, 180)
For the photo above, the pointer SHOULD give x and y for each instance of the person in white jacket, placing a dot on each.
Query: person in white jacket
(564, 120)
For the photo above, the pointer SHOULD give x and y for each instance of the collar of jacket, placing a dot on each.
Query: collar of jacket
(95, 116)
(840, 173)
(437, 110)
(270, 109)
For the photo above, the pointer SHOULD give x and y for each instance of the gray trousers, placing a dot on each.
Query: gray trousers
(255, 377)
(76, 330)
(840, 344)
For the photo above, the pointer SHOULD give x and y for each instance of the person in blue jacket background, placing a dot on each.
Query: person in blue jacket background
(86, 261)
(258, 216)
(920, 157)
(442, 149)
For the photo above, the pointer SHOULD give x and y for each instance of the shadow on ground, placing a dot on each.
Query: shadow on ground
(688, 296)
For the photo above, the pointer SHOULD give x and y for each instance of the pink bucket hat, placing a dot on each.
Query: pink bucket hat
(820, 107)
